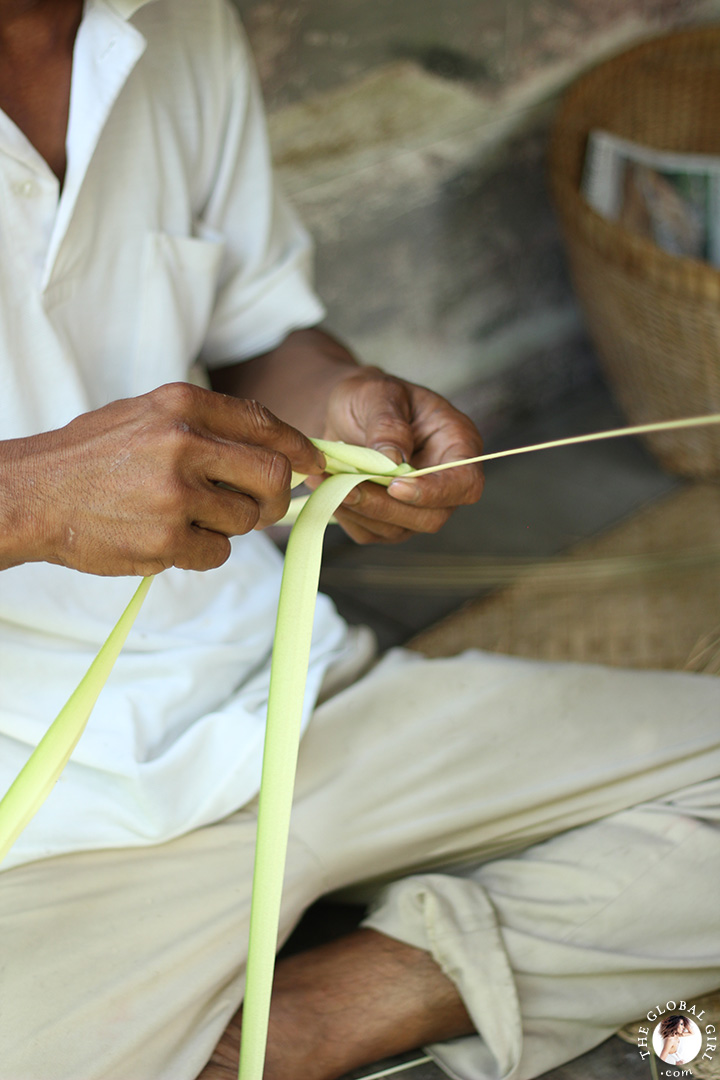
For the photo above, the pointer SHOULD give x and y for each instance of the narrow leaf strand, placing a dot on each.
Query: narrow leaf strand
(38, 776)
(289, 670)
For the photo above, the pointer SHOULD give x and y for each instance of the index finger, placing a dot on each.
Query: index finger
(242, 420)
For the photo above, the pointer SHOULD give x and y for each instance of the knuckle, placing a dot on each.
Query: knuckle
(260, 417)
(178, 455)
(278, 472)
(153, 551)
(175, 444)
(217, 553)
(474, 489)
(207, 551)
(393, 537)
(434, 522)
(388, 416)
(164, 542)
(247, 515)
(389, 533)
(169, 496)
(170, 405)
(389, 388)
(177, 398)
(269, 514)
(390, 427)
(150, 567)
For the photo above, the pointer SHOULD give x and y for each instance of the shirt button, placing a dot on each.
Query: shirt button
(26, 188)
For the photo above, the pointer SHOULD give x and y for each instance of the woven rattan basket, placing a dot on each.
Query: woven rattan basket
(654, 317)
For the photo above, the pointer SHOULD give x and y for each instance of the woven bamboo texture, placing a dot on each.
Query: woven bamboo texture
(669, 619)
(666, 618)
(654, 317)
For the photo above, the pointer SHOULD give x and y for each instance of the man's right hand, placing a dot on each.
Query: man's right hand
(132, 488)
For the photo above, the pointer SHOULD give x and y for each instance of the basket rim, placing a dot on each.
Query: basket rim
(673, 41)
(631, 252)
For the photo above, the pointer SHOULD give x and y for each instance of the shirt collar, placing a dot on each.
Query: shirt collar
(107, 49)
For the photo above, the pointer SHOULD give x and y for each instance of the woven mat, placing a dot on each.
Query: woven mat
(665, 616)
(653, 603)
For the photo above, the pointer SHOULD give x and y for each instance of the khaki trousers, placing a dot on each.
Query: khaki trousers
(551, 834)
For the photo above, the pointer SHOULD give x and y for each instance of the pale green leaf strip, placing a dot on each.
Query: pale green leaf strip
(289, 670)
(291, 653)
(339, 456)
(346, 458)
(37, 778)
(297, 478)
(290, 659)
(595, 436)
(293, 511)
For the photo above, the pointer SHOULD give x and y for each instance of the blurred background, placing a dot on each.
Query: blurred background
(411, 135)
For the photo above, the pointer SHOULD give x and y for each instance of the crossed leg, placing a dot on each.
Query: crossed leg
(355, 1000)
(596, 925)
(440, 952)
(527, 777)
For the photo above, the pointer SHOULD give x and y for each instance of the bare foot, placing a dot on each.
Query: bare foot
(346, 1004)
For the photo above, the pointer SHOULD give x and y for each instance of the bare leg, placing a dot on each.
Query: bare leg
(349, 1003)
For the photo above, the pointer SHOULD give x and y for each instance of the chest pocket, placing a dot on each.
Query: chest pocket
(178, 287)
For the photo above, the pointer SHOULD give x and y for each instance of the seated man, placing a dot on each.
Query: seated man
(538, 838)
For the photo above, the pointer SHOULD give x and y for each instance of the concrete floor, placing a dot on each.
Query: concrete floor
(614, 1060)
(534, 505)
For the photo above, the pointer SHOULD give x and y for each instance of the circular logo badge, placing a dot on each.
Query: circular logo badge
(677, 1032)
(677, 1039)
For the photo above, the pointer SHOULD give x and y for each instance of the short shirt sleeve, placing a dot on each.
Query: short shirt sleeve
(265, 289)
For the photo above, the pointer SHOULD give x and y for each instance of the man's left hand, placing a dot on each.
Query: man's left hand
(407, 423)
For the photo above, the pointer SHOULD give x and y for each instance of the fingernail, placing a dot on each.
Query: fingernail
(405, 491)
(320, 459)
(353, 498)
(393, 452)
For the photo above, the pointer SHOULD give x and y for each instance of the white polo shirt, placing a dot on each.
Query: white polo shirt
(169, 242)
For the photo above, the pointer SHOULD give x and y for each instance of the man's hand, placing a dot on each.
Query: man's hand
(311, 380)
(132, 488)
(407, 423)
